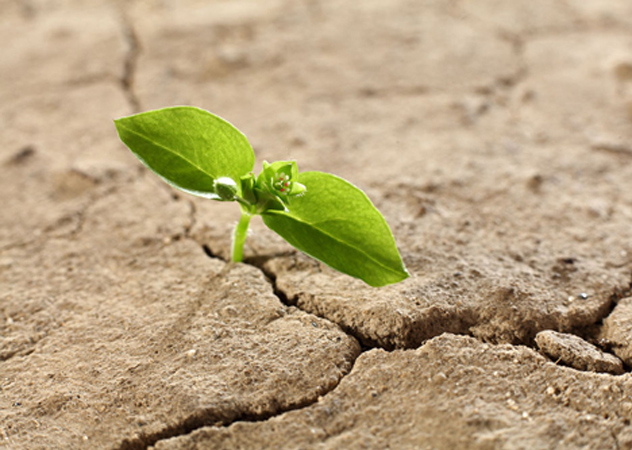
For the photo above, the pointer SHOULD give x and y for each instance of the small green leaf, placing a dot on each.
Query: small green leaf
(336, 223)
(188, 147)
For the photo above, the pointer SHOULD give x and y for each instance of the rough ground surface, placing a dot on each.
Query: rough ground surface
(496, 138)
(617, 330)
(501, 411)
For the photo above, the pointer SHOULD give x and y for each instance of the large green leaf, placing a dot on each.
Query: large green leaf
(336, 223)
(188, 147)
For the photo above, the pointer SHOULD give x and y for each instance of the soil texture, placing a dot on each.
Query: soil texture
(495, 137)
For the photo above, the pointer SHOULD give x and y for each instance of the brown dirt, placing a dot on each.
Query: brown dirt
(494, 136)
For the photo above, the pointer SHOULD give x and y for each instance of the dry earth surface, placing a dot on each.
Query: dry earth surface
(496, 138)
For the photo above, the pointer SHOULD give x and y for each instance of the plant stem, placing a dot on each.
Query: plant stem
(239, 237)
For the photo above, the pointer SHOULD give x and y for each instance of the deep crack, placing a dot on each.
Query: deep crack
(208, 252)
(591, 332)
(259, 263)
(586, 332)
(219, 417)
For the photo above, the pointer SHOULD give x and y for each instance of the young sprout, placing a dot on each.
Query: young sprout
(320, 214)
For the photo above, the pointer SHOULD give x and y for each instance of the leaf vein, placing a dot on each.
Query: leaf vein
(168, 150)
(374, 260)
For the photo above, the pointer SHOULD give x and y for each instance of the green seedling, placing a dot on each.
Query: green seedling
(318, 213)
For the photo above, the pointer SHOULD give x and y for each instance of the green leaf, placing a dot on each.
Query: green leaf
(188, 147)
(336, 223)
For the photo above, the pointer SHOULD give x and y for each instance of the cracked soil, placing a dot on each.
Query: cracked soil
(495, 137)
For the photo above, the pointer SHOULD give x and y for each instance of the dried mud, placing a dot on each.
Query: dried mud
(494, 136)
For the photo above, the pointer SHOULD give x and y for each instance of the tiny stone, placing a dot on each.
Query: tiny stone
(550, 390)
(439, 378)
(583, 296)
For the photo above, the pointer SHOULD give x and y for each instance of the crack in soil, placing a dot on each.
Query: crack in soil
(210, 254)
(218, 417)
(206, 418)
(192, 220)
(613, 148)
(130, 62)
(587, 332)
(259, 263)
(78, 216)
(6, 356)
(221, 418)
(590, 332)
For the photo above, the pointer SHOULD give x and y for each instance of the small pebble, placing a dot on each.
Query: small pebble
(550, 391)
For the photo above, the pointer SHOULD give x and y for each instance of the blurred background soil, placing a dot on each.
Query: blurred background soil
(495, 137)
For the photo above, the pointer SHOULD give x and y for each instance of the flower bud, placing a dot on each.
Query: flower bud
(225, 188)
(280, 179)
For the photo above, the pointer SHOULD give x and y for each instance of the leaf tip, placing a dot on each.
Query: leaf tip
(118, 123)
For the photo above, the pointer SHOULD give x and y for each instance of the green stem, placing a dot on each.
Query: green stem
(241, 231)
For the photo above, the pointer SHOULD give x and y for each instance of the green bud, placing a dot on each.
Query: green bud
(226, 188)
